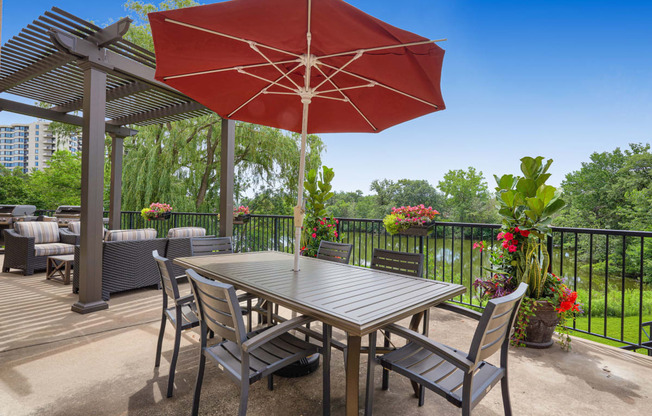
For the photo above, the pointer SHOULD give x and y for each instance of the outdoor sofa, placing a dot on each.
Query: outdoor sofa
(127, 261)
(29, 244)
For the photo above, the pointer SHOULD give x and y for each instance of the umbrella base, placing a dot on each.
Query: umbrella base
(301, 368)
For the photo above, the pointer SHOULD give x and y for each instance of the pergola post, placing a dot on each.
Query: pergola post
(115, 204)
(227, 164)
(92, 190)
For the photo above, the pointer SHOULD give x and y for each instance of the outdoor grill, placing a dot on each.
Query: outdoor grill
(66, 214)
(12, 213)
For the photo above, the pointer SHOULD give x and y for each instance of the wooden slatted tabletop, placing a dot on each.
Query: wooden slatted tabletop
(355, 299)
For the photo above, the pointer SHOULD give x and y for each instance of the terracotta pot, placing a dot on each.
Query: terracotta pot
(542, 325)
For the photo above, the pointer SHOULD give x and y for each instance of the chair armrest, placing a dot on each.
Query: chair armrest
(647, 324)
(273, 332)
(442, 350)
(69, 238)
(469, 313)
(16, 244)
(186, 299)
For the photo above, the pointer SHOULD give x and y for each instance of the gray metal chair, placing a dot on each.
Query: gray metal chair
(463, 379)
(182, 315)
(203, 246)
(410, 264)
(244, 357)
(337, 252)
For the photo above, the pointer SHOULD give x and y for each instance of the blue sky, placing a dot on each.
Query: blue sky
(560, 79)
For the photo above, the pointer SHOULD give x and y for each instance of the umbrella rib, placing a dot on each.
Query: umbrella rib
(242, 71)
(380, 84)
(347, 99)
(250, 42)
(380, 48)
(213, 71)
(285, 75)
(318, 93)
(260, 92)
(340, 69)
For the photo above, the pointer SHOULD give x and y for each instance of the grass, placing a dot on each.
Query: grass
(631, 329)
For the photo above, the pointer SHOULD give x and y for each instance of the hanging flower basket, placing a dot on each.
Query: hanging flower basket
(419, 230)
(241, 219)
(156, 212)
(162, 216)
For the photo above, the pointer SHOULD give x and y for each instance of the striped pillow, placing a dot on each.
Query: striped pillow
(43, 232)
(130, 235)
(186, 232)
(75, 227)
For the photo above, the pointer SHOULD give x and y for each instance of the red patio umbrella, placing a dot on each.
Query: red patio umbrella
(319, 66)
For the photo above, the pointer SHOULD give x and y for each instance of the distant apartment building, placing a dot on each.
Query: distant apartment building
(29, 146)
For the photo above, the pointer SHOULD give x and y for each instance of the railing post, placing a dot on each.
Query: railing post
(549, 248)
(276, 221)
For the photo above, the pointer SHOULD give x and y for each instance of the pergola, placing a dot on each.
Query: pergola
(73, 65)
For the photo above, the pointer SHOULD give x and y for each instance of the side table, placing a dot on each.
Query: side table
(58, 268)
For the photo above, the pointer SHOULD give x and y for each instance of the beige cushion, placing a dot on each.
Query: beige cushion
(130, 235)
(43, 232)
(52, 249)
(75, 227)
(186, 232)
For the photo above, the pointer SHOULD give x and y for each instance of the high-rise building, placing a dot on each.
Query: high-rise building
(29, 146)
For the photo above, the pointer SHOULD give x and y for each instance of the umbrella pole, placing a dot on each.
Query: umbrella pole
(298, 210)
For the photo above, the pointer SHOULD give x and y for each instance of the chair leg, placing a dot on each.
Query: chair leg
(386, 371)
(307, 338)
(173, 363)
(159, 345)
(249, 317)
(270, 382)
(244, 397)
(422, 395)
(200, 379)
(507, 405)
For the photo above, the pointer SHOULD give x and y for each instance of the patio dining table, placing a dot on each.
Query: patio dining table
(354, 299)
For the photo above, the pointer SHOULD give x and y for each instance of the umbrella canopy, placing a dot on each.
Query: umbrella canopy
(300, 65)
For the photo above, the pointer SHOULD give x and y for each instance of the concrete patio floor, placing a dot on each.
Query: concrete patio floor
(56, 362)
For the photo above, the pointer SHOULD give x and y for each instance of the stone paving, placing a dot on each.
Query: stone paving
(56, 362)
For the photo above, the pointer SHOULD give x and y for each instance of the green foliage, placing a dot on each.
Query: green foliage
(318, 186)
(391, 224)
(467, 197)
(15, 189)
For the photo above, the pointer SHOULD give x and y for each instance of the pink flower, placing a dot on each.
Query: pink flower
(337, 221)
(508, 236)
(335, 234)
(512, 248)
(314, 229)
(506, 244)
(500, 236)
(314, 235)
(321, 222)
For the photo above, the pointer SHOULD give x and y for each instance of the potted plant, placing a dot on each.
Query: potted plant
(156, 211)
(527, 205)
(318, 225)
(417, 220)
(241, 215)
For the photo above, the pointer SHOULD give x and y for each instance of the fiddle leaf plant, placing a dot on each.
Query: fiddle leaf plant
(527, 206)
(317, 225)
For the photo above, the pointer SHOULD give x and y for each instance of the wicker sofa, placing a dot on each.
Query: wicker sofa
(29, 244)
(179, 244)
(127, 261)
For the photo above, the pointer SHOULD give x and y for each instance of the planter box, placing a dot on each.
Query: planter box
(163, 216)
(241, 219)
(420, 230)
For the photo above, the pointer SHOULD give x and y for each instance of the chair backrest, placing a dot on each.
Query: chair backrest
(168, 282)
(338, 252)
(204, 246)
(496, 324)
(218, 307)
(410, 264)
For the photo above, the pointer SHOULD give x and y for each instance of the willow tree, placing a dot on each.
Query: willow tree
(179, 163)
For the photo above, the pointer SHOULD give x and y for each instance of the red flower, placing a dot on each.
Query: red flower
(335, 234)
(314, 235)
(516, 229)
(525, 233)
(337, 221)
(508, 236)
(321, 222)
(512, 248)
(505, 244)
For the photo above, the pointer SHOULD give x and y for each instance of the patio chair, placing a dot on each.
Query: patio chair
(244, 357)
(337, 252)
(204, 246)
(182, 315)
(647, 344)
(179, 245)
(409, 264)
(463, 379)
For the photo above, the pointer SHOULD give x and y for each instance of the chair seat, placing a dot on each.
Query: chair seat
(263, 361)
(189, 317)
(433, 372)
(53, 249)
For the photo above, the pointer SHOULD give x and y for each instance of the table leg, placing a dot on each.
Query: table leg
(352, 374)
(326, 353)
(371, 364)
(66, 278)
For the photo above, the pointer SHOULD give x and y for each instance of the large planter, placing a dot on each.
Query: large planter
(541, 326)
(420, 230)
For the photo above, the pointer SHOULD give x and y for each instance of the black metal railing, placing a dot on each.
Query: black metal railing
(610, 269)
